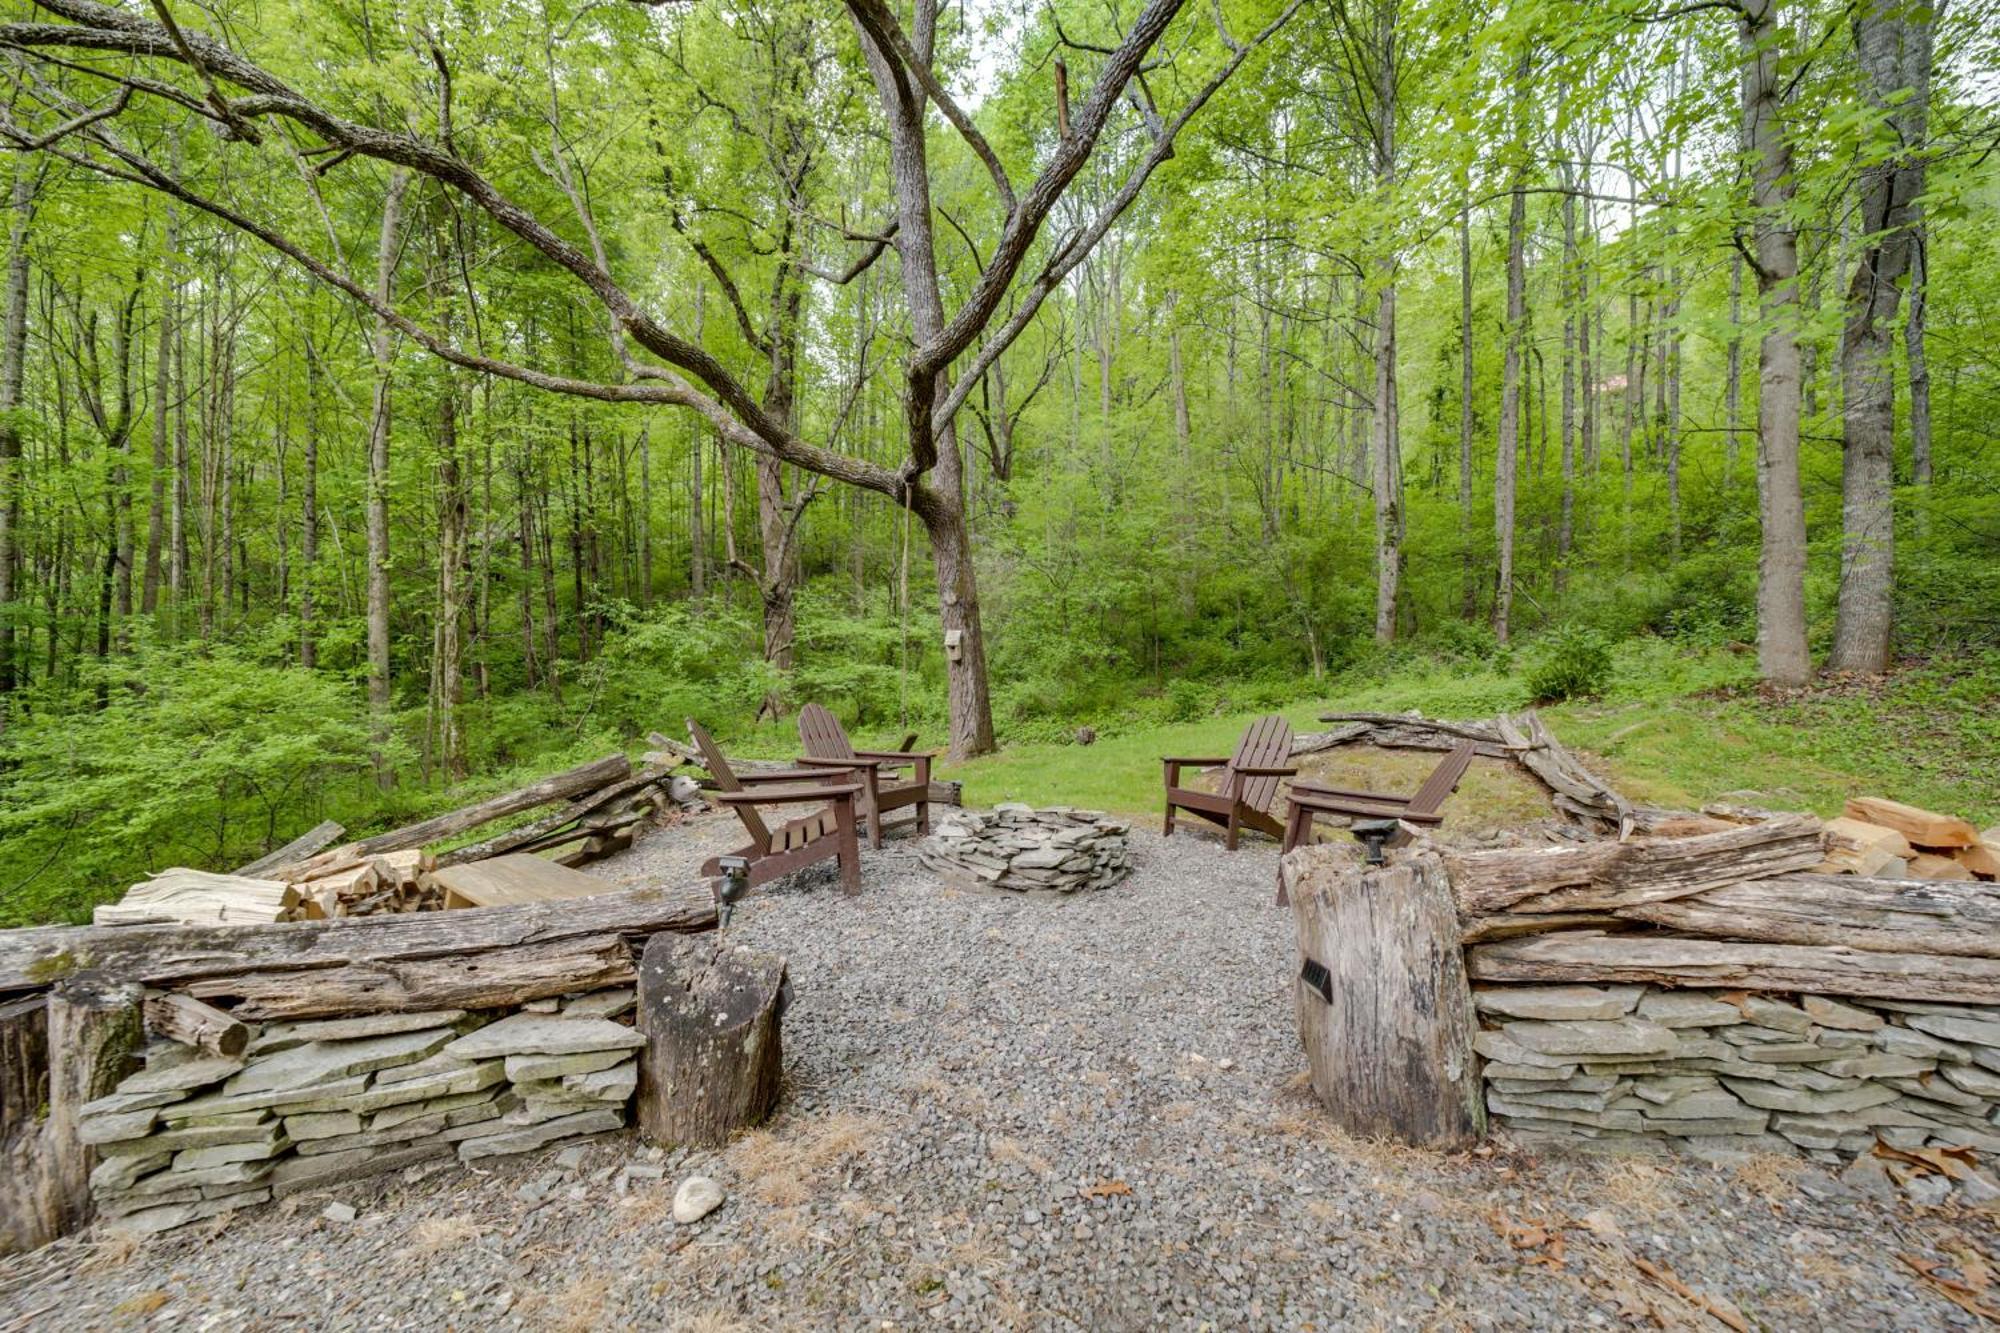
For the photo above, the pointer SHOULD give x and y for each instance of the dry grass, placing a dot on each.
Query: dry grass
(115, 1251)
(1493, 795)
(709, 1321)
(434, 1235)
(584, 1306)
(1638, 1187)
(785, 1167)
(1771, 1178)
(1009, 1150)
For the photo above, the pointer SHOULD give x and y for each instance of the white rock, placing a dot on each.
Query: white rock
(339, 1212)
(697, 1197)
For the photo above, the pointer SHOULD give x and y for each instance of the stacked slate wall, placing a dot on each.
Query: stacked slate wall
(316, 1104)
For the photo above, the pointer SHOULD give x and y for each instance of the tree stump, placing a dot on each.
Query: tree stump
(1388, 1024)
(56, 1053)
(710, 1016)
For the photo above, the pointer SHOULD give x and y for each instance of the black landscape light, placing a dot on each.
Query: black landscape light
(730, 887)
(1374, 834)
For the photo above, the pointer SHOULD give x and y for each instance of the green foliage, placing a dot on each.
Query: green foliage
(1570, 663)
(189, 759)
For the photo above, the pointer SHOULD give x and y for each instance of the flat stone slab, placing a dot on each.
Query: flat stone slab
(322, 1061)
(527, 1138)
(181, 1077)
(1953, 1027)
(1688, 1009)
(544, 1034)
(283, 1036)
(1557, 1002)
(601, 1003)
(531, 1068)
(1630, 1036)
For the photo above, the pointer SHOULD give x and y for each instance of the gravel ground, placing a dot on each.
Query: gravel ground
(1076, 1114)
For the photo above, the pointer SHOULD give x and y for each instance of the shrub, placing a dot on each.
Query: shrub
(1571, 663)
(1188, 701)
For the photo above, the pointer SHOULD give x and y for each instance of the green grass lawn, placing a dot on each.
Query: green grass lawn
(1673, 729)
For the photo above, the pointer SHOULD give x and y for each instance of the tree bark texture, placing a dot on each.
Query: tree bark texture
(712, 1061)
(1391, 1050)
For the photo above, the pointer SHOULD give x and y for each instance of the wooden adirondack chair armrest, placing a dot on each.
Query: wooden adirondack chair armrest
(1253, 771)
(899, 756)
(1203, 763)
(1350, 793)
(856, 764)
(798, 795)
(782, 775)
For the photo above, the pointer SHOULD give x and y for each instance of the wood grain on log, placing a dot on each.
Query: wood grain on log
(710, 1014)
(168, 955)
(184, 1019)
(27, 1211)
(1672, 960)
(313, 841)
(1606, 875)
(529, 835)
(1924, 828)
(1880, 915)
(1391, 1054)
(488, 979)
(94, 1028)
(598, 773)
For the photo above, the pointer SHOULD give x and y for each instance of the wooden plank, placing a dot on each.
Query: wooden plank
(1882, 915)
(506, 881)
(585, 777)
(1857, 834)
(1391, 1048)
(1925, 828)
(312, 841)
(168, 955)
(1935, 865)
(1605, 875)
(1983, 860)
(199, 896)
(1671, 960)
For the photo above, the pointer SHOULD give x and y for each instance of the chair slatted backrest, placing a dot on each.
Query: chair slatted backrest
(1266, 743)
(1444, 780)
(821, 734)
(725, 778)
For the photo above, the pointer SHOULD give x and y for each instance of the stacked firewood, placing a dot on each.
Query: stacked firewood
(598, 808)
(1879, 837)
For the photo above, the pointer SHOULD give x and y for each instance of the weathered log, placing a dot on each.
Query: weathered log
(1672, 960)
(187, 1020)
(167, 956)
(1606, 875)
(1924, 828)
(94, 1026)
(489, 979)
(27, 1195)
(313, 841)
(710, 1014)
(598, 773)
(1390, 1040)
(1879, 915)
(528, 836)
(1506, 926)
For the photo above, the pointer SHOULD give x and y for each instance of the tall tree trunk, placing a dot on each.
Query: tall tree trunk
(448, 651)
(13, 364)
(309, 515)
(1470, 590)
(1572, 301)
(1782, 654)
(1892, 44)
(1732, 392)
(379, 421)
(1914, 355)
(1510, 383)
(163, 385)
(1386, 448)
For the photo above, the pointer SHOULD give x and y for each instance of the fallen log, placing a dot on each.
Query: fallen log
(586, 777)
(1383, 1007)
(489, 979)
(169, 956)
(1578, 790)
(1673, 960)
(528, 836)
(712, 1060)
(185, 1019)
(199, 896)
(1880, 915)
(313, 841)
(1603, 876)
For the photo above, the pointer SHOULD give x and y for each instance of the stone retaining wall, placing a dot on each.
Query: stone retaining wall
(316, 1104)
(1720, 1069)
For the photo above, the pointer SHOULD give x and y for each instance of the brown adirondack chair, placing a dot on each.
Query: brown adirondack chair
(826, 746)
(829, 831)
(1311, 799)
(1249, 782)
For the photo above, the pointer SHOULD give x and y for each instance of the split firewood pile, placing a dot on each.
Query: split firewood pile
(1890, 840)
(598, 808)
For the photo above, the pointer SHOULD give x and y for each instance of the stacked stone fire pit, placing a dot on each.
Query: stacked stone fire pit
(1019, 848)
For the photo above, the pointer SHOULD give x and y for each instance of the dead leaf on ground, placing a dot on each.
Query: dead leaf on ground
(1105, 1189)
(1966, 1293)
(1539, 1241)
(1952, 1163)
